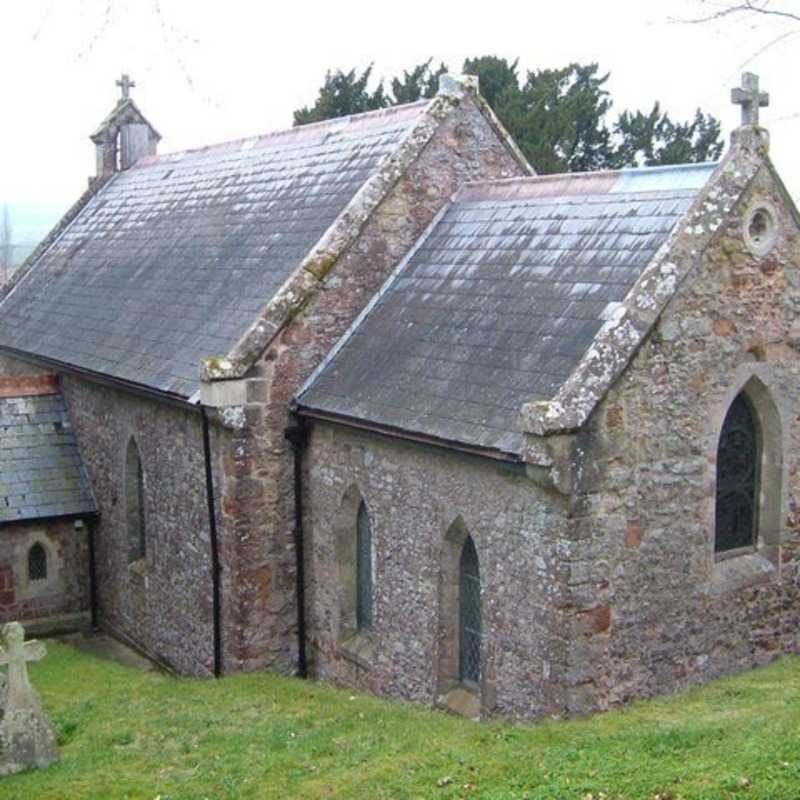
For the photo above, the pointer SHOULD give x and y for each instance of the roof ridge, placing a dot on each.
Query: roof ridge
(294, 129)
(588, 175)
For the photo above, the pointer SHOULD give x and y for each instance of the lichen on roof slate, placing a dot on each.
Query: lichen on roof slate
(173, 259)
(499, 302)
(41, 472)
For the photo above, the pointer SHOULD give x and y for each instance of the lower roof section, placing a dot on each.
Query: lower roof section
(498, 303)
(41, 471)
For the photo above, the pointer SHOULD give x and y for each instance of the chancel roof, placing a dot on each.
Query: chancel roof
(498, 303)
(173, 259)
(41, 472)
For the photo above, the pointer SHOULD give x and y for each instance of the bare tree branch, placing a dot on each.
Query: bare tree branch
(105, 24)
(763, 8)
(770, 43)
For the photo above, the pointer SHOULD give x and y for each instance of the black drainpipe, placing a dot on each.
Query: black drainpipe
(90, 525)
(297, 434)
(215, 566)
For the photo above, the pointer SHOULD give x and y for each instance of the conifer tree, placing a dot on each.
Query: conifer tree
(560, 118)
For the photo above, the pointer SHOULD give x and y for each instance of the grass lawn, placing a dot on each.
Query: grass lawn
(131, 734)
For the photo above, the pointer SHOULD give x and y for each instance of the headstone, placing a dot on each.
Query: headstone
(26, 737)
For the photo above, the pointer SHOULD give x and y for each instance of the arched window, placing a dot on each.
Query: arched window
(363, 570)
(134, 500)
(37, 563)
(469, 614)
(738, 467)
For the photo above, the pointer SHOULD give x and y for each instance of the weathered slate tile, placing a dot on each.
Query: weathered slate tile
(43, 475)
(500, 302)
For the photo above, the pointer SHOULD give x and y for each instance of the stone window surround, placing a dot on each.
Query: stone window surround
(354, 645)
(358, 646)
(761, 247)
(736, 569)
(463, 699)
(54, 583)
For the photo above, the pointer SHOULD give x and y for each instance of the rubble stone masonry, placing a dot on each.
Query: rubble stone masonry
(599, 578)
(257, 504)
(643, 507)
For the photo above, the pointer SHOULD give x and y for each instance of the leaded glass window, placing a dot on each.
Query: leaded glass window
(738, 458)
(363, 570)
(134, 498)
(469, 604)
(37, 563)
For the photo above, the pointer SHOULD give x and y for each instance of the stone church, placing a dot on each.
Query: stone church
(369, 401)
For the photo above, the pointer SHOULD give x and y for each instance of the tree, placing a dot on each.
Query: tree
(6, 246)
(650, 139)
(343, 93)
(558, 117)
(417, 83)
(499, 79)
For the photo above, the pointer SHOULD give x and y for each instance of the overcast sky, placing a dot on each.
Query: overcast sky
(211, 71)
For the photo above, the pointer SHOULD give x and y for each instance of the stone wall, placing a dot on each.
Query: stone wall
(422, 503)
(258, 491)
(642, 549)
(65, 589)
(162, 604)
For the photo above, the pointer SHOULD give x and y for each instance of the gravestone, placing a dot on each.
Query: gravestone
(26, 738)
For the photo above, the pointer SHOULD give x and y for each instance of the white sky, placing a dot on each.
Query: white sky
(211, 71)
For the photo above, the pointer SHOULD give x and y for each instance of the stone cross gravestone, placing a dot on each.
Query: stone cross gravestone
(26, 738)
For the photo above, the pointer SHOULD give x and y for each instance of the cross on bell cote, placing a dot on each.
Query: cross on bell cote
(749, 98)
(126, 84)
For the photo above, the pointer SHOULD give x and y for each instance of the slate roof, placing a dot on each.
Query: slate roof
(173, 260)
(499, 301)
(41, 472)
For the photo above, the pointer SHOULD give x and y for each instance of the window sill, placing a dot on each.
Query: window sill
(358, 650)
(461, 699)
(38, 587)
(741, 570)
(138, 568)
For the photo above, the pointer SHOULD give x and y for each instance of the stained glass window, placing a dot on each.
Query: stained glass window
(37, 563)
(738, 458)
(363, 570)
(469, 602)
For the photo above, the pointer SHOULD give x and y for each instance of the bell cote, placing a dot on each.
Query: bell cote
(124, 136)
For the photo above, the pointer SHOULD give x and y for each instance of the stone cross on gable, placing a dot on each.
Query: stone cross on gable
(749, 98)
(126, 84)
(16, 653)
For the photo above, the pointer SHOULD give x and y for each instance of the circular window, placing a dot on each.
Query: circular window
(760, 230)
